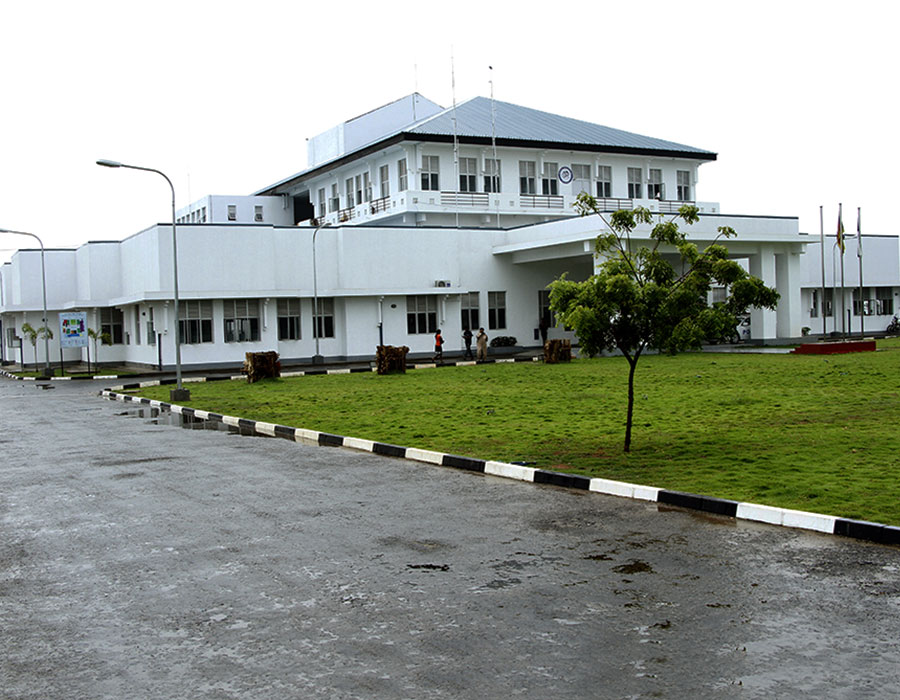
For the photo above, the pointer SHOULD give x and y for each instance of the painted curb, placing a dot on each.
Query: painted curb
(784, 517)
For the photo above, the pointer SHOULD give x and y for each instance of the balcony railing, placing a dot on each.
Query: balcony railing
(382, 204)
(541, 201)
(464, 199)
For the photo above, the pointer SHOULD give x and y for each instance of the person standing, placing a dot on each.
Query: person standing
(467, 340)
(481, 341)
(438, 346)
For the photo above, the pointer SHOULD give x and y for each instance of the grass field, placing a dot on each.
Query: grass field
(806, 432)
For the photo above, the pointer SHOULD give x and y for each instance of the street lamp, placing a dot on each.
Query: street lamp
(179, 393)
(317, 358)
(44, 285)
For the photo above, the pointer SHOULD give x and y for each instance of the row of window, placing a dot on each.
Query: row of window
(358, 189)
(876, 301)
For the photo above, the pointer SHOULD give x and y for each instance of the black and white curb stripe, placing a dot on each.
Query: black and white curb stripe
(828, 524)
(9, 375)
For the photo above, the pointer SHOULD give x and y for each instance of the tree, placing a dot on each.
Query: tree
(638, 300)
(33, 335)
(104, 338)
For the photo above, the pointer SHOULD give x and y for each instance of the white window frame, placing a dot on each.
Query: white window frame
(289, 320)
(527, 177)
(550, 178)
(468, 174)
(384, 174)
(496, 310)
(684, 185)
(402, 176)
(431, 173)
(492, 175)
(241, 321)
(421, 314)
(635, 183)
(656, 189)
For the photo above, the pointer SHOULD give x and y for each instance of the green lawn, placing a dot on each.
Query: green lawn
(807, 432)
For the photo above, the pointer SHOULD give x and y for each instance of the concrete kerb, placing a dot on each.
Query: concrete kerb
(828, 524)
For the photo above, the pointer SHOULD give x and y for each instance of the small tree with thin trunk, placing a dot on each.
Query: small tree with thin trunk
(33, 334)
(638, 299)
(104, 338)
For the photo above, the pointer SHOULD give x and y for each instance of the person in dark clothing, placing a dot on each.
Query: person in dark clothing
(467, 340)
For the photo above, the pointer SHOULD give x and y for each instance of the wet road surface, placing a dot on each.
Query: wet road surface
(140, 560)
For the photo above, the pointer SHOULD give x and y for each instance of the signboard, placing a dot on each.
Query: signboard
(73, 330)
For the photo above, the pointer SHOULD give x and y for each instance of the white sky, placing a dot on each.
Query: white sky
(797, 98)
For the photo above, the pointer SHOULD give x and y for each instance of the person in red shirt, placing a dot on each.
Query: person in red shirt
(438, 346)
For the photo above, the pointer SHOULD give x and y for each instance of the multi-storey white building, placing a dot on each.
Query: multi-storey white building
(408, 218)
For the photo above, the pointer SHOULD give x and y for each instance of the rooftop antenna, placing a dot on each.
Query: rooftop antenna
(455, 135)
(495, 170)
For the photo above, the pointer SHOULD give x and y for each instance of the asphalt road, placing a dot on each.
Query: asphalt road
(140, 560)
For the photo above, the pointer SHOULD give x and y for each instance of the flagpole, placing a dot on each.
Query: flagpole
(822, 303)
(859, 254)
(840, 237)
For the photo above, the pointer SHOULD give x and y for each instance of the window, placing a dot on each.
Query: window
(334, 203)
(582, 178)
(421, 314)
(549, 183)
(385, 177)
(241, 318)
(470, 317)
(232, 212)
(257, 213)
(349, 191)
(137, 324)
(321, 206)
(203, 215)
(12, 340)
(367, 188)
(359, 189)
(401, 175)
(496, 310)
(195, 324)
(430, 173)
(544, 312)
(884, 301)
(151, 327)
(526, 176)
(468, 175)
(112, 321)
(684, 186)
(323, 322)
(491, 176)
(634, 183)
(288, 319)
(604, 181)
(655, 188)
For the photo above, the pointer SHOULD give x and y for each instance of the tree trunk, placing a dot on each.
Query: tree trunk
(632, 364)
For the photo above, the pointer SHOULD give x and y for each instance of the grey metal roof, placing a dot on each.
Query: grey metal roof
(513, 126)
(515, 123)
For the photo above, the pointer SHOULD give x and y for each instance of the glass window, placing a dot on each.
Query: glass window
(348, 190)
(582, 178)
(470, 317)
(401, 175)
(241, 320)
(604, 181)
(151, 327)
(367, 187)
(384, 176)
(421, 314)
(232, 212)
(321, 206)
(549, 182)
(684, 186)
(323, 323)
(288, 319)
(468, 175)
(496, 310)
(635, 181)
(431, 173)
(195, 322)
(112, 321)
(655, 189)
(491, 176)
(527, 171)
(335, 202)
(257, 213)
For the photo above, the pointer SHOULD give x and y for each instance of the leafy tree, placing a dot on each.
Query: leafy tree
(638, 299)
(95, 335)
(33, 335)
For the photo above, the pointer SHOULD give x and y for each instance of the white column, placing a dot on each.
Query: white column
(763, 323)
(787, 275)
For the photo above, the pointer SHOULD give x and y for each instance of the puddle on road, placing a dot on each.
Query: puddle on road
(156, 416)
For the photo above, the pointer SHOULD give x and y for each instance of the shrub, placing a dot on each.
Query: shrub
(503, 341)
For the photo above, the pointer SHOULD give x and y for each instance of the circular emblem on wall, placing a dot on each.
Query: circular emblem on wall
(566, 175)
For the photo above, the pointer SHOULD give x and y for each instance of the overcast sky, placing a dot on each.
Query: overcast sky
(797, 98)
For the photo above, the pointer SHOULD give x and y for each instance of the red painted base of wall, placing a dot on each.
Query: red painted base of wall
(833, 348)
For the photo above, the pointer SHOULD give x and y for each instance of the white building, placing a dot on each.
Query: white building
(422, 217)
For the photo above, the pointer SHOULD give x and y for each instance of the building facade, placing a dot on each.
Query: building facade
(407, 219)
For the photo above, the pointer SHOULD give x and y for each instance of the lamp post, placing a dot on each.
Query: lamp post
(44, 289)
(317, 358)
(179, 393)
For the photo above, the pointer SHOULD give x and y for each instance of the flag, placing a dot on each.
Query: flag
(840, 229)
(858, 233)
